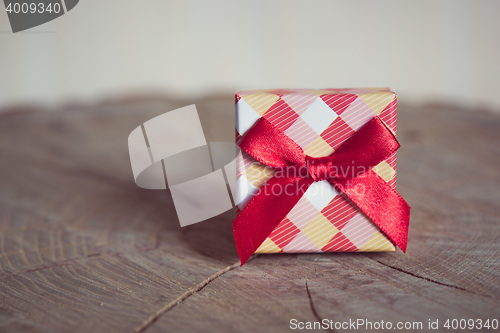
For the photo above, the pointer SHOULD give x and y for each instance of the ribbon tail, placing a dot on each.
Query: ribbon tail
(265, 211)
(381, 203)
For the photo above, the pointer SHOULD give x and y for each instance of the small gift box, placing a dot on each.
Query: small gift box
(317, 172)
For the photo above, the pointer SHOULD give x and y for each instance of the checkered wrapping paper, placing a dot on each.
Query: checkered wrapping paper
(319, 121)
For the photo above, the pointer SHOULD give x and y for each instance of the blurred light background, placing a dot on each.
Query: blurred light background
(446, 51)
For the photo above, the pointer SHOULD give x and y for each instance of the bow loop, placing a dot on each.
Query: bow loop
(270, 146)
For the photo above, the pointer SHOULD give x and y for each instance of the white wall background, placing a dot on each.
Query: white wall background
(426, 50)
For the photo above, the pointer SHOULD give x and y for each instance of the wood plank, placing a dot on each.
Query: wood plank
(82, 247)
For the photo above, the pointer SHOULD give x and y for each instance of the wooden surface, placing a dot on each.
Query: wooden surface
(82, 249)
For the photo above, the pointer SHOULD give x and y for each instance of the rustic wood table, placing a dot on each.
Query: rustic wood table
(83, 249)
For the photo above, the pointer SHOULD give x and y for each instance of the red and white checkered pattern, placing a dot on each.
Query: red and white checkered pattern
(319, 121)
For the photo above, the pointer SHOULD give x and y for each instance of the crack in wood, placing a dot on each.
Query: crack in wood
(169, 306)
(313, 309)
(419, 276)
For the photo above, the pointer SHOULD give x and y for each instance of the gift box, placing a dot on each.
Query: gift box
(317, 172)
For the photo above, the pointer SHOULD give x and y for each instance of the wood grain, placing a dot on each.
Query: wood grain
(83, 249)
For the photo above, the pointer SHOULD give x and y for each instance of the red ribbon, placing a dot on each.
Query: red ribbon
(348, 169)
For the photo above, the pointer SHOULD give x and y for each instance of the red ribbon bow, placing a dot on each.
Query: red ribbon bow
(366, 148)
